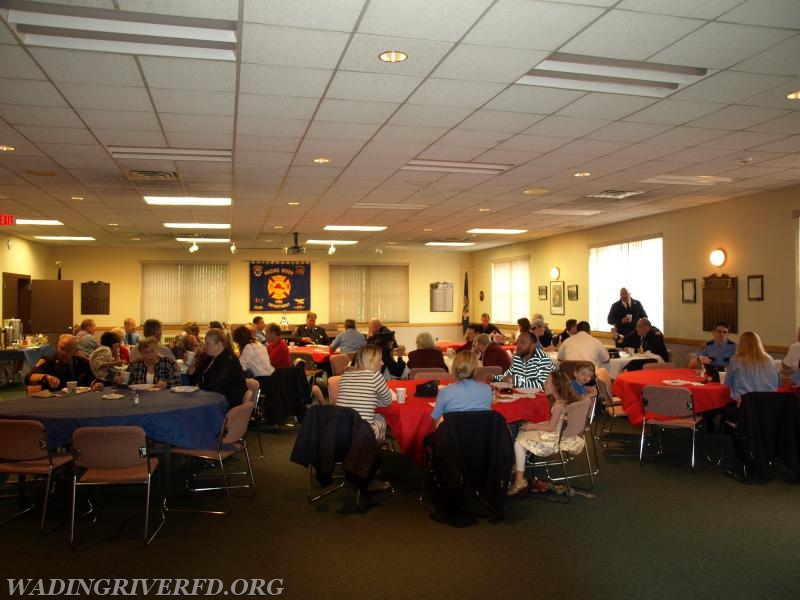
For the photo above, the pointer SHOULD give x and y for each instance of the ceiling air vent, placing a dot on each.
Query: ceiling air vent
(153, 175)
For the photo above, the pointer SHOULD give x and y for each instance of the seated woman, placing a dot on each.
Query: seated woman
(363, 388)
(253, 356)
(466, 394)
(559, 388)
(751, 369)
(124, 352)
(106, 356)
(221, 371)
(523, 324)
(426, 354)
(152, 368)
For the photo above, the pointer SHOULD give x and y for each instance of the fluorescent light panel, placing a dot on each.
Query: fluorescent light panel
(498, 231)
(451, 166)
(567, 212)
(187, 154)
(687, 180)
(456, 244)
(65, 238)
(37, 222)
(186, 201)
(354, 228)
(198, 225)
(332, 242)
(199, 240)
(95, 29)
(615, 194)
(616, 76)
(382, 206)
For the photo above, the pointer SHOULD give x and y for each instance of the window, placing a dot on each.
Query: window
(363, 292)
(511, 290)
(174, 293)
(637, 266)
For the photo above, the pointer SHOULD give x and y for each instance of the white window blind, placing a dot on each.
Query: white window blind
(511, 290)
(363, 292)
(637, 266)
(174, 293)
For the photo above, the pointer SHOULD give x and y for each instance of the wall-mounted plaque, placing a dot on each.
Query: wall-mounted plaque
(95, 298)
(719, 302)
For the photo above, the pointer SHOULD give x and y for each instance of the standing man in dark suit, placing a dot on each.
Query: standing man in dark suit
(624, 315)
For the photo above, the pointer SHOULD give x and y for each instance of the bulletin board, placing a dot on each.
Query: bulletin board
(719, 302)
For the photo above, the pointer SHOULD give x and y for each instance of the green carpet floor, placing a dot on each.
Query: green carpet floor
(657, 531)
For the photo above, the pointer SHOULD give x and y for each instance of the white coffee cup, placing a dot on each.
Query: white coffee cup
(401, 395)
(126, 377)
(722, 376)
(188, 358)
(72, 387)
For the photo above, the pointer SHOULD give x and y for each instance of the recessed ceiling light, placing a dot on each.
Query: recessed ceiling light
(277, 226)
(293, 203)
(322, 160)
(77, 198)
(198, 225)
(204, 240)
(581, 174)
(535, 191)
(427, 229)
(791, 96)
(65, 238)
(498, 231)
(113, 224)
(458, 244)
(332, 242)
(484, 210)
(7, 148)
(354, 228)
(37, 222)
(393, 56)
(136, 239)
(186, 201)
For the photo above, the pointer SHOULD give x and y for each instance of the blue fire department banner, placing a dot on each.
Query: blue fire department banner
(280, 286)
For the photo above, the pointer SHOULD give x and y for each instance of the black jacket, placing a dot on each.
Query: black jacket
(289, 392)
(223, 374)
(619, 311)
(768, 428)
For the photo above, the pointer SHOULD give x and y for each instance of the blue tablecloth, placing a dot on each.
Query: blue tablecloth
(29, 355)
(189, 420)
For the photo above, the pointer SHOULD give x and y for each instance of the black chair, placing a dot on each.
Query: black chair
(289, 393)
(470, 454)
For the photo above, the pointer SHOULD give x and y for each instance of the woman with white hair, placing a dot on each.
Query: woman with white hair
(427, 355)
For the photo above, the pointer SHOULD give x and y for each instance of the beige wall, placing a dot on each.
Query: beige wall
(758, 233)
(26, 258)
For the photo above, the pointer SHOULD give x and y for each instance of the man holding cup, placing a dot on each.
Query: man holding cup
(53, 373)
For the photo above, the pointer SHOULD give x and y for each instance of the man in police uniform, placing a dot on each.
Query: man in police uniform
(624, 315)
(310, 333)
(651, 339)
(716, 352)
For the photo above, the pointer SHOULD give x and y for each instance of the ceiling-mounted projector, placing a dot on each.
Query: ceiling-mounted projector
(296, 248)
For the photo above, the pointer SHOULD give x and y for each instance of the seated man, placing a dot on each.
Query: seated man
(492, 355)
(87, 342)
(154, 329)
(652, 340)
(570, 328)
(583, 347)
(310, 333)
(469, 338)
(375, 329)
(487, 326)
(716, 352)
(54, 372)
(545, 336)
(348, 341)
(530, 367)
(131, 338)
(260, 325)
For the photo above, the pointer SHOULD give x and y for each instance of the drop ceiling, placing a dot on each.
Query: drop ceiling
(307, 83)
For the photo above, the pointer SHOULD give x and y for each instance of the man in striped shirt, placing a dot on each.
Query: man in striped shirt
(531, 365)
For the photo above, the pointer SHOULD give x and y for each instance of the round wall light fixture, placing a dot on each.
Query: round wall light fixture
(555, 273)
(717, 257)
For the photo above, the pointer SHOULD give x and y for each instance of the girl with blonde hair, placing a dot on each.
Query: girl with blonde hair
(751, 369)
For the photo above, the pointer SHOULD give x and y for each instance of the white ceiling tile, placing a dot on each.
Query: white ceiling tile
(377, 87)
(622, 131)
(481, 63)
(586, 147)
(472, 138)
(121, 137)
(283, 81)
(533, 99)
(291, 46)
(447, 92)
(199, 140)
(565, 126)
(258, 105)
(74, 150)
(440, 152)
(117, 119)
(605, 106)
(39, 115)
(737, 117)
(673, 112)
(207, 9)
(363, 51)
(499, 120)
(329, 130)
(193, 102)
(772, 13)
(333, 149)
(77, 66)
(775, 97)
(786, 144)
(338, 16)
(445, 20)
(30, 91)
(629, 35)
(63, 135)
(398, 133)
(711, 45)
(110, 97)
(730, 85)
(741, 140)
(429, 116)
(779, 60)
(707, 9)
(686, 136)
(645, 151)
(263, 142)
(697, 154)
(533, 143)
(277, 127)
(189, 74)
(530, 24)
(354, 111)
(788, 124)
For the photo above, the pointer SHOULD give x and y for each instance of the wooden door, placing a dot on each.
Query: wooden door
(51, 306)
(16, 299)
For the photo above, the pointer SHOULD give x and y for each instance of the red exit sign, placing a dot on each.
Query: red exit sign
(6, 220)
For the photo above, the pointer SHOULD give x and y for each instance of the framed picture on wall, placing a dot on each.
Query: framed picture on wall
(755, 287)
(556, 297)
(572, 293)
(689, 291)
(542, 292)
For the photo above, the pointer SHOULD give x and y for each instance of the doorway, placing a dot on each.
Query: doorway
(17, 299)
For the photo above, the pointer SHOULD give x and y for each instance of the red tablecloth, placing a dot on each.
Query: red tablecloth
(628, 386)
(444, 345)
(411, 422)
(319, 353)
